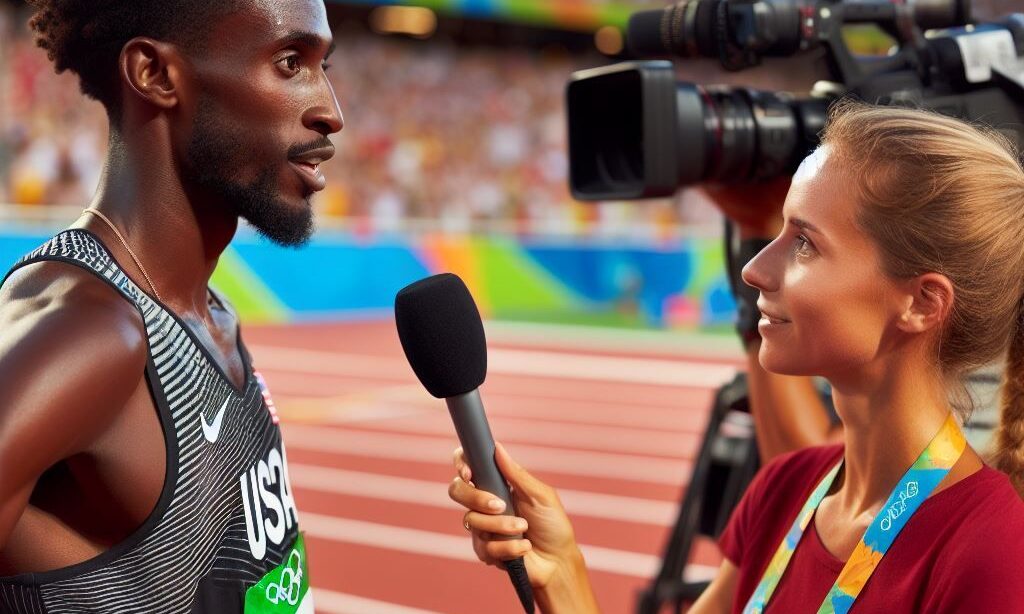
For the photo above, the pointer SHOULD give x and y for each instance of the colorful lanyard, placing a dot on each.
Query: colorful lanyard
(916, 485)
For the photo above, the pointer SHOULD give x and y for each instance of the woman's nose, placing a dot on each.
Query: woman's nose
(757, 273)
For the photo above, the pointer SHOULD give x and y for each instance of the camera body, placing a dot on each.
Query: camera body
(635, 132)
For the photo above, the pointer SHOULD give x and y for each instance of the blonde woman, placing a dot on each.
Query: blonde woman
(899, 268)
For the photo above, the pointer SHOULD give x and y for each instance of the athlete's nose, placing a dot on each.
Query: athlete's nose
(325, 117)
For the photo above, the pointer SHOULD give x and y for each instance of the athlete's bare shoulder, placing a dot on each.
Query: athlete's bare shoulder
(72, 352)
(54, 302)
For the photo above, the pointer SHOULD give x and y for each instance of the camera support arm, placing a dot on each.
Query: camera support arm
(823, 25)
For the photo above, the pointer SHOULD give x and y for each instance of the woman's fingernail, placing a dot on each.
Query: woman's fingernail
(496, 504)
(520, 525)
(465, 475)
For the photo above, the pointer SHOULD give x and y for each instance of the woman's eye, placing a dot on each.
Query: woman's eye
(803, 246)
(325, 66)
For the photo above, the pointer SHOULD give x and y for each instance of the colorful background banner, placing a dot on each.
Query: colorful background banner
(582, 15)
(345, 275)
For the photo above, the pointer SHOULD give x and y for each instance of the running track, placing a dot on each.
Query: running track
(612, 420)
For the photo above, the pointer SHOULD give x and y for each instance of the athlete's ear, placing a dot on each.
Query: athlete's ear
(929, 302)
(153, 71)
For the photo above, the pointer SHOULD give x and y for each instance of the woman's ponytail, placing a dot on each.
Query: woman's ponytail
(1009, 453)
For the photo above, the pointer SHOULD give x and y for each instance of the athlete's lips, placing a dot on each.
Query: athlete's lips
(308, 166)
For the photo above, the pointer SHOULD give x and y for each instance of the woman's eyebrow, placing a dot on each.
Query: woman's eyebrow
(800, 223)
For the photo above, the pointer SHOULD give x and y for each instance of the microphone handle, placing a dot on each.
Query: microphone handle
(467, 411)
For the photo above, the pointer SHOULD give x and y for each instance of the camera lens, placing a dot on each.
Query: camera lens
(622, 142)
(729, 133)
(745, 134)
(607, 118)
(636, 133)
(686, 29)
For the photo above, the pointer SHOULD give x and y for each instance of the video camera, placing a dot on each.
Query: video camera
(634, 132)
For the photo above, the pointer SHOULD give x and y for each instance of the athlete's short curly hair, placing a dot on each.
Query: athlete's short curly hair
(86, 36)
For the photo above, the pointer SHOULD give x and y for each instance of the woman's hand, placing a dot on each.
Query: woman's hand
(549, 544)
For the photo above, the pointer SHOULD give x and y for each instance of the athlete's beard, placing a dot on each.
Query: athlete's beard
(218, 145)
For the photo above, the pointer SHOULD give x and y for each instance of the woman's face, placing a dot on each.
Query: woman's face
(827, 307)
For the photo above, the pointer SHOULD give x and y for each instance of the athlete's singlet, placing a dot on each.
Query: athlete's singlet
(224, 536)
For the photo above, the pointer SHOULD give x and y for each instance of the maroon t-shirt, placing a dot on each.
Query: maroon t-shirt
(962, 551)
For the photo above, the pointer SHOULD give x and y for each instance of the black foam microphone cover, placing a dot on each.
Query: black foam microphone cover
(443, 338)
(442, 335)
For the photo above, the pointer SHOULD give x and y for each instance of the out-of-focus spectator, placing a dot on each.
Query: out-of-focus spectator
(433, 131)
(53, 145)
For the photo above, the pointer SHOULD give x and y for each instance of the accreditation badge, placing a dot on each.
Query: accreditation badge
(285, 589)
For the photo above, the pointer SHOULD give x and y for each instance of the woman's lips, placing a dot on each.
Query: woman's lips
(769, 321)
(769, 318)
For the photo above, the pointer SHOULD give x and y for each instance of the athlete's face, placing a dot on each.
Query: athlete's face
(262, 114)
(828, 308)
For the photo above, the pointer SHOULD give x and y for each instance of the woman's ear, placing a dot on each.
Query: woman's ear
(930, 300)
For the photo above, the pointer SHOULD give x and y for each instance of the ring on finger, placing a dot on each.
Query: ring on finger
(465, 522)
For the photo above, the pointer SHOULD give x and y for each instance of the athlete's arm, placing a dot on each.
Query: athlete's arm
(72, 352)
(718, 597)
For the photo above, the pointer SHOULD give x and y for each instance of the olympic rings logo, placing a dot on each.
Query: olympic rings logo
(289, 584)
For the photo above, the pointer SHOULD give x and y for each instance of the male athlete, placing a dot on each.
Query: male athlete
(141, 465)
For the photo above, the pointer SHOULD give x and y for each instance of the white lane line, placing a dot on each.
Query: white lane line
(342, 410)
(619, 439)
(681, 419)
(438, 450)
(592, 437)
(558, 365)
(320, 362)
(685, 344)
(435, 494)
(332, 602)
(415, 541)
(608, 369)
(398, 401)
(303, 386)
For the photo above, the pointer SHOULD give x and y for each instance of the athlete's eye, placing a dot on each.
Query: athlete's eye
(291, 63)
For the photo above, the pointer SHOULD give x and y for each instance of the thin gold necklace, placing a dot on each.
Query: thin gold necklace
(131, 253)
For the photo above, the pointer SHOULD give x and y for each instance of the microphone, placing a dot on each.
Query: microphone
(443, 338)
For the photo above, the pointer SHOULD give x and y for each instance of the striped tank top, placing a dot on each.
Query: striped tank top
(223, 537)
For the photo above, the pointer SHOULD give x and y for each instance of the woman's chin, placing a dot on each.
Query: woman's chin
(782, 362)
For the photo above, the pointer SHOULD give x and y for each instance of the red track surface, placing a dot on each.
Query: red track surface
(369, 453)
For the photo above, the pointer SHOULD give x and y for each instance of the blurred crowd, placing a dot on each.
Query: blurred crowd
(434, 131)
(51, 143)
(459, 135)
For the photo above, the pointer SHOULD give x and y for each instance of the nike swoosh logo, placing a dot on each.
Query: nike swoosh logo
(212, 431)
